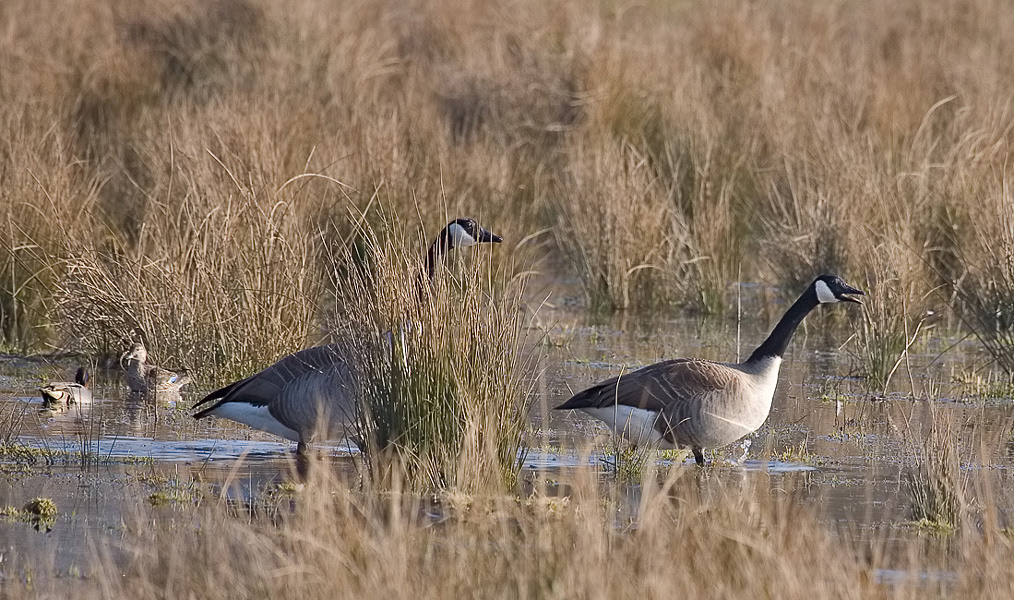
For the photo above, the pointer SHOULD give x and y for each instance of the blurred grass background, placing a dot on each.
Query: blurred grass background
(155, 153)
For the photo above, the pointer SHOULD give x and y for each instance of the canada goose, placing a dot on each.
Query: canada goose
(143, 378)
(58, 394)
(700, 403)
(311, 394)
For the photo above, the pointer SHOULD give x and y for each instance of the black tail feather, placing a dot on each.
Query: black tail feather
(219, 394)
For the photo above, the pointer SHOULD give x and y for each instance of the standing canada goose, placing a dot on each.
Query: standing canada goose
(59, 394)
(143, 378)
(700, 403)
(311, 394)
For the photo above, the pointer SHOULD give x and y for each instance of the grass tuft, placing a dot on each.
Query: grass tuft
(441, 366)
(934, 486)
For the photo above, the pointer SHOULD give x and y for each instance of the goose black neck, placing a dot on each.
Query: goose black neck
(436, 252)
(433, 255)
(781, 335)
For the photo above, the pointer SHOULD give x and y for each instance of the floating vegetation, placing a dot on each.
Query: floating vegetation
(628, 462)
(42, 508)
(25, 454)
(799, 454)
(158, 499)
(39, 512)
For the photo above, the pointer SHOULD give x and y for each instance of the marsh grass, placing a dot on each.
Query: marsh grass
(995, 387)
(627, 462)
(12, 418)
(328, 541)
(892, 322)
(671, 152)
(225, 292)
(636, 253)
(442, 366)
(985, 293)
(935, 486)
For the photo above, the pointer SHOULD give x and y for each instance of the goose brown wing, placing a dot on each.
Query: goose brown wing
(265, 386)
(658, 387)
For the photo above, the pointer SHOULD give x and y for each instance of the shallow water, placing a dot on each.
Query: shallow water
(839, 447)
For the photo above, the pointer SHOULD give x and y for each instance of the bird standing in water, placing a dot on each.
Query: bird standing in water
(696, 403)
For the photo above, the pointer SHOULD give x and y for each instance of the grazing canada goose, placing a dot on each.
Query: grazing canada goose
(143, 378)
(700, 403)
(311, 394)
(59, 394)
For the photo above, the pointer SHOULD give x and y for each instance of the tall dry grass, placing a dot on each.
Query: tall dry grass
(985, 288)
(670, 147)
(935, 486)
(441, 364)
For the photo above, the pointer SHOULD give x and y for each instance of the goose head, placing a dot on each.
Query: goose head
(464, 232)
(459, 233)
(831, 288)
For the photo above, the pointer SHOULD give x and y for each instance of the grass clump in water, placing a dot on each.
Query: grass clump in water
(890, 326)
(40, 512)
(936, 499)
(441, 367)
(985, 293)
(41, 508)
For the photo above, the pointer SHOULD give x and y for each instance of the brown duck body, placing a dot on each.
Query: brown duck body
(144, 378)
(63, 393)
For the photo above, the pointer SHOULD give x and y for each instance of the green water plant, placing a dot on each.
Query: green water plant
(39, 512)
(42, 508)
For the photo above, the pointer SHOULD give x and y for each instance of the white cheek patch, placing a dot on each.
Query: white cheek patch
(824, 293)
(459, 237)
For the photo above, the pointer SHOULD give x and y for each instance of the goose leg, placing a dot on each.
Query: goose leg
(302, 461)
(699, 456)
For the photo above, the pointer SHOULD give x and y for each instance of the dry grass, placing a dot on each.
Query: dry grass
(150, 186)
(935, 486)
(441, 365)
(891, 323)
(671, 147)
(333, 542)
(985, 290)
(225, 281)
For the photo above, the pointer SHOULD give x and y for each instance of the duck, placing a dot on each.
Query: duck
(702, 404)
(59, 394)
(311, 394)
(143, 378)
